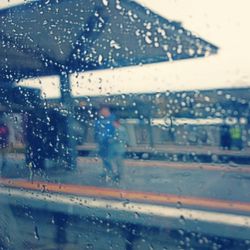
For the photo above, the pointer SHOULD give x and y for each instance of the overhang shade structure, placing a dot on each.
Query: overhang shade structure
(49, 37)
(60, 37)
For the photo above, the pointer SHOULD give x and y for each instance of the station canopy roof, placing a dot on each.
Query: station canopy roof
(47, 37)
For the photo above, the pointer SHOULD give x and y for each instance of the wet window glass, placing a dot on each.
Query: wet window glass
(124, 124)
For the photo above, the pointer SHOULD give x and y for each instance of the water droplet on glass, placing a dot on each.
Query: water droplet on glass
(114, 44)
(105, 2)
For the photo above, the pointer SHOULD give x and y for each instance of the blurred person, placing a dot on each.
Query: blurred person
(35, 153)
(4, 142)
(225, 136)
(119, 148)
(236, 135)
(104, 136)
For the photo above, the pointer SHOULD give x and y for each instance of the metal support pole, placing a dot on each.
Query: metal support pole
(149, 126)
(69, 140)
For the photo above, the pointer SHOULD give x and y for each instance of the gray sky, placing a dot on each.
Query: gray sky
(222, 22)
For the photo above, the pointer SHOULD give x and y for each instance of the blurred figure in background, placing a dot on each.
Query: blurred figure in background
(104, 136)
(119, 148)
(4, 142)
(35, 150)
(225, 137)
(236, 135)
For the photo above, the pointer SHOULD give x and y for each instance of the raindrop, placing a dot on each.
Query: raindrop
(137, 215)
(137, 32)
(100, 59)
(191, 52)
(157, 45)
(151, 247)
(114, 44)
(148, 26)
(182, 219)
(148, 39)
(8, 240)
(36, 235)
(105, 2)
(179, 204)
(108, 216)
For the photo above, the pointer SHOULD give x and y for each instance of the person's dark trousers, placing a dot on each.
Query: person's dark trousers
(119, 162)
(107, 165)
(104, 152)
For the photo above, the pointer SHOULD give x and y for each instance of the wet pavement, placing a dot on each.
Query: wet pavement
(213, 181)
(156, 205)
